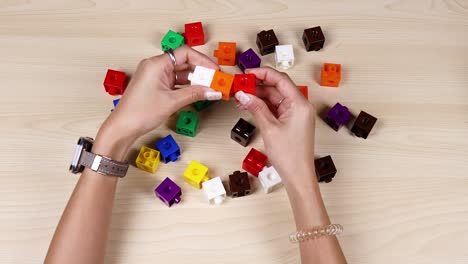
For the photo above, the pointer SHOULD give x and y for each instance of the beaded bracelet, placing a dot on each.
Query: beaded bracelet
(316, 232)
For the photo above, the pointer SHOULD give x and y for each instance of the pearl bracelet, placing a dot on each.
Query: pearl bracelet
(316, 232)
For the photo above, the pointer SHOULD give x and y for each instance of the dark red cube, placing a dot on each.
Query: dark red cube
(194, 35)
(115, 82)
(244, 82)
(254, 162)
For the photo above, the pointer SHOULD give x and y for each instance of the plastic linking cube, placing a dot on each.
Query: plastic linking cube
(226, 53)
(313, 39)
(148, 159)
(116, 102)
(239, 184)
(304, 90)
(195, 174)
(172, 40)
(242, 132)
(214, 191)
(187, 123)
(222, 82)
(201, 105)
(267, 41)
(331, 75)
(115, 82)
(168, 192)
(168, 148)
(254, 162)
(194, 34)
(363, 125)
(270, 179)
(337, 116)
(325, 169)
(245, 82)
(201, 76)
(284, 57)
(248, 59)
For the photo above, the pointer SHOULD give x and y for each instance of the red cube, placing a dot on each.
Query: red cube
(194, 35)
(115, 82)
(304, 90)
(254, 162)
(244, 82)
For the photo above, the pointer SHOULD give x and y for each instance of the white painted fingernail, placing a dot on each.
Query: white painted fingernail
(213, 96)
(242, 97)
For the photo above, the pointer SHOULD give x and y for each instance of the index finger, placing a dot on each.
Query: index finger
(187, 55)
(279, 80)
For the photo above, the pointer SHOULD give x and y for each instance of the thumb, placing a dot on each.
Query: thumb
(194, 93)
(263, 116)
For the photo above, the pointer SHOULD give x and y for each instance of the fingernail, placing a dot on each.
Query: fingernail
(242, 97)
(213, 96)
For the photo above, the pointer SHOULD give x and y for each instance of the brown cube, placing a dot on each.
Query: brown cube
(239, 184)
(325, 169)
(267, 41)
(313, 38)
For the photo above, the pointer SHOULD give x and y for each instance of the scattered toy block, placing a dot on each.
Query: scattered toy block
(169, 192)
(284, 56)
(168, 148)
(331, 75)
(248, 59)
(239, 184)
(325, 169)
(337, 116)
(363, 125)
(115, 82)
(254, 162)
(270, 179)
(201, 105)
(172, 40)
(313, 39)
(226, 53)
(148, 159)
(242, 132)
(187, 123)
(304, 90)
(214, 191)
(267, 41)
(194, 34)
(195, 174)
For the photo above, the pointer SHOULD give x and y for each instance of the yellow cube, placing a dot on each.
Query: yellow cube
(196, 173)
(148, 159)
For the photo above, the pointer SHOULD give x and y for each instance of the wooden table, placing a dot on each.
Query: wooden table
(401, 195)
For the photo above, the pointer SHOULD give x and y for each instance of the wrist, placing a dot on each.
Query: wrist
(111, 143)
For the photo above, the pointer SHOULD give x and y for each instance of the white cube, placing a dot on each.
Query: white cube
(214, 190)
(201, 76)
(270, 179)
(284, 56)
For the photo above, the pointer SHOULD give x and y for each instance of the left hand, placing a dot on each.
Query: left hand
(150, 98)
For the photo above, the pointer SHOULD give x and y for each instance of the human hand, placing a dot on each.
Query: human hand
(286, 121)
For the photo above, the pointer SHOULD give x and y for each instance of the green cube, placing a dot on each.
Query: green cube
(172, 40)
(187, 123)
(200, 105)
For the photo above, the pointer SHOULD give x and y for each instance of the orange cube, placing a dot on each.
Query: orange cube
(304, 90)
(222, 82)
(226, 53)
(331, 75)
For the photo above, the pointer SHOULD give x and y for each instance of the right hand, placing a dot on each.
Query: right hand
(287, 129)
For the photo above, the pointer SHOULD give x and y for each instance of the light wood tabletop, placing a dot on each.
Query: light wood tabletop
(401, 194)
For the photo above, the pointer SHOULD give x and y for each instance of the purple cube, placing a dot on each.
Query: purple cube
(168, 192)
(248, 59)
(337, 116)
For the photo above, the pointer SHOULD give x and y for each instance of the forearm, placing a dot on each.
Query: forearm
(309, 211)
(82, 231)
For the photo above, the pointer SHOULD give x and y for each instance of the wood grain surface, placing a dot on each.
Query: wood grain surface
(401, 195)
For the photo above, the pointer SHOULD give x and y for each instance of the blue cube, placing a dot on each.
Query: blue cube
(116, 101)
(168, 148)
